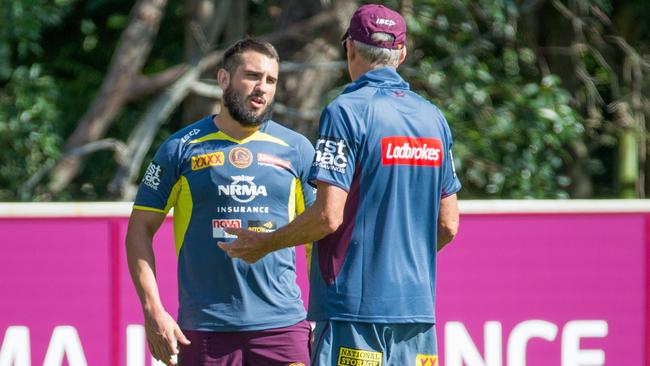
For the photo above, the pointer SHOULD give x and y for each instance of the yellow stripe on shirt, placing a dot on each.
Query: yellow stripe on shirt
(257, 136)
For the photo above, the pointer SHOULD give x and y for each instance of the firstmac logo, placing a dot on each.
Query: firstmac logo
(332, 154)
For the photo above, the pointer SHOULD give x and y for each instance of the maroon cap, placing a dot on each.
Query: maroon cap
(372, 18)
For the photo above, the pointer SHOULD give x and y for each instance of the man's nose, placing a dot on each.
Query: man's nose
(260, 87)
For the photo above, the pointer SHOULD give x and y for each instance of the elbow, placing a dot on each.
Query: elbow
(448, 235)
(451, 230)
(331, 223)
(447, 232)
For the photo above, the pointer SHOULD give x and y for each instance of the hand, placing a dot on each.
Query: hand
(162, 335)
(249, 246)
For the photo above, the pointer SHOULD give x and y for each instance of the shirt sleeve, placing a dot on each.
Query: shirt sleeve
(450, 182)
(306, 151)
(156, 190)
(336, 149)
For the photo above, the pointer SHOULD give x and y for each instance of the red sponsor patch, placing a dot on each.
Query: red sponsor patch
(222, 223)
(404, 150)
(269, 159)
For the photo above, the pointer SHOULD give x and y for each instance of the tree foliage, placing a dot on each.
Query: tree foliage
(546, 98)
(29, 98)
(511, 123)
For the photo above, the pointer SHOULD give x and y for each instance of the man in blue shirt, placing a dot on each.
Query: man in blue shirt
(237, 169)
(386, 204)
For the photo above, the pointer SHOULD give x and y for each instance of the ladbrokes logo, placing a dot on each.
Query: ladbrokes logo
(426, 360)
(420, 151)
(242, 189)
(332, 154)
(357, 357)
(207, 160)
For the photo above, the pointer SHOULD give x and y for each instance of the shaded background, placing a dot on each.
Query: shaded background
(546, 98)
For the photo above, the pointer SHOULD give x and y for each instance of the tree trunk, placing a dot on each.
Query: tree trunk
(628, 164)
(140, 140)
(204, 24)
(304, 90)
(127, 62)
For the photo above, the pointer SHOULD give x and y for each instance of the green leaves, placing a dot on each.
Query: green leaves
(28, 113)
(511, 127)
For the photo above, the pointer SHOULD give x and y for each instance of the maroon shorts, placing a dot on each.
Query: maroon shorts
(287, 346)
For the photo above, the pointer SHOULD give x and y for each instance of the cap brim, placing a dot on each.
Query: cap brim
(345, 35)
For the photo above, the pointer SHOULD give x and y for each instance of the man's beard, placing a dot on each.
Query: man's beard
(236, 104)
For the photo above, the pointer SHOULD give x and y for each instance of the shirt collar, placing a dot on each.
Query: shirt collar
(383, 77)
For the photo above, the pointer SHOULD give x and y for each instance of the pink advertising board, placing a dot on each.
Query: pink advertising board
(534, 283)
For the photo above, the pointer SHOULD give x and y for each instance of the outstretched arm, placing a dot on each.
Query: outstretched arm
(162, 331)
(322, 218)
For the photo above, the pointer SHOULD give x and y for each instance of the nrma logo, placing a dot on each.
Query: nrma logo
(242, 189)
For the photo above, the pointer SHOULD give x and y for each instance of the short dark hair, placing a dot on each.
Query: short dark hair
(232, 56)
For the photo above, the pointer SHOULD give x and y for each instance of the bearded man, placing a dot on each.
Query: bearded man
(237, 169)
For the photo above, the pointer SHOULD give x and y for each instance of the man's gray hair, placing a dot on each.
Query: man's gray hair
(377, 55)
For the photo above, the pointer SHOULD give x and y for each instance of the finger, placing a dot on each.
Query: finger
(173, 360)
(180, 337)
(170, 346)
(224, 246)
(159, 347)
(154, 348)
(233, 231)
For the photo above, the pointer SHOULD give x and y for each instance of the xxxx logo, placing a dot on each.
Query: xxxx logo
(207, 160)
(426, 360)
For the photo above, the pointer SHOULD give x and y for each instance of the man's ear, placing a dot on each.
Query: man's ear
(402, 55)
(352, 51)
(223, 78)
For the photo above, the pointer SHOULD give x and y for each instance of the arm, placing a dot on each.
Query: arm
(322, 218)
(448, 220)
(160, 327)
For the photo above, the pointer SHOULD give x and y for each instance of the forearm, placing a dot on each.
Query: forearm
(444, 238)
(448, 220)
(322, 218)
(313, 224)
(141, 262)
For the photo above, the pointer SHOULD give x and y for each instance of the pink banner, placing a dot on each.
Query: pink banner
(561, 289)
(513, 290)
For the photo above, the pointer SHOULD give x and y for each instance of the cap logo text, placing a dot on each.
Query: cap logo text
(387, 22)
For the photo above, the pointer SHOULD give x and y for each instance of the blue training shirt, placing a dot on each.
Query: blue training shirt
(390, 150)
(214, 181)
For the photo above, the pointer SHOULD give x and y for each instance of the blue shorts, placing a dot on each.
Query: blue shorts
(374, 344)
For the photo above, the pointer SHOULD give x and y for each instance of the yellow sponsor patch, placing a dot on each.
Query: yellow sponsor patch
(426, 360)
(357, 357)
(207, 160)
